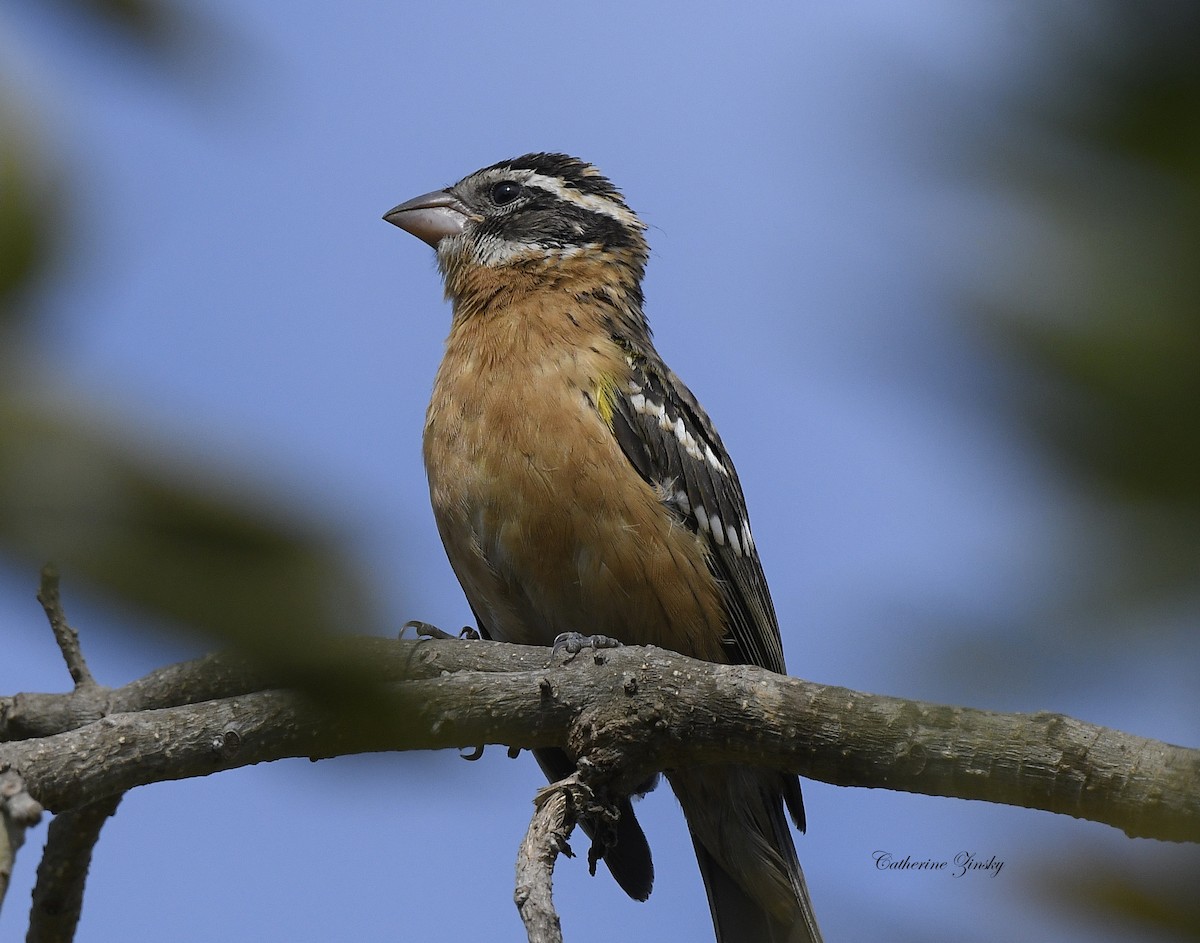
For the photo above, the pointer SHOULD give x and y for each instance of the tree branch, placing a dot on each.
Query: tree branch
(631, 711)
(545, 840)
(62, 873)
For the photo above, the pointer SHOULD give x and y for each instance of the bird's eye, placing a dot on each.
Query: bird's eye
(505, 192)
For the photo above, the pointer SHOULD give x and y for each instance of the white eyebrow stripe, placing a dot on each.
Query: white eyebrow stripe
(589, 201)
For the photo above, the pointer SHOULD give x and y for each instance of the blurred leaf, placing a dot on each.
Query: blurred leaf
(1160, 895)
(177, 40)
(153, 26)
(25, 220)
(1129, 416)
(173, 543)
(1104, 321)
(182, 544)
(148, 21)
(1138, 85)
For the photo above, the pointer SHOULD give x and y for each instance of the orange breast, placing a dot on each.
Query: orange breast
(548, 526)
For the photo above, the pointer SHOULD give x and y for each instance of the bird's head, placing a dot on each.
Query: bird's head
(536, 218)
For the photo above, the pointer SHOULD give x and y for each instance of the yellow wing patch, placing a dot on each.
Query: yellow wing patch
(604, 395)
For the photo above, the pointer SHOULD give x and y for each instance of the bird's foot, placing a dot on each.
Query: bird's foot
(425, 630)
(573, 643)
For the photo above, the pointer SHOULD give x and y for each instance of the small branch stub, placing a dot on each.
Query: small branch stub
(18, 811)
(67, 638)
(227, 744)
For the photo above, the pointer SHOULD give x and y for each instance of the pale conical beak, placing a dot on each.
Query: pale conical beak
(430, 217)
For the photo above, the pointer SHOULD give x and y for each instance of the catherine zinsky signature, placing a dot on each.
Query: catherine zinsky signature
(965, 862)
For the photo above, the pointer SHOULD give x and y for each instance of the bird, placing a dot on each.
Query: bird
(577, 482)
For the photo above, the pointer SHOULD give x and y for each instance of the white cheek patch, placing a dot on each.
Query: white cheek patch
(492, 251)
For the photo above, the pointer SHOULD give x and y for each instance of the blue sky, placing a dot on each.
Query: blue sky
(818, 214)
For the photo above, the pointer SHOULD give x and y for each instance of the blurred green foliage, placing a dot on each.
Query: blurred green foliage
(146, 22)
(1102, 323)
(1107, 322)
(167, 33)
(190, 545)
(25, 213)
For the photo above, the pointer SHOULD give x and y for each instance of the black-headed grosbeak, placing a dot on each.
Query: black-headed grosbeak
(578, 484)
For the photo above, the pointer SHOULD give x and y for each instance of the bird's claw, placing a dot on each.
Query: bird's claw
(426, 630)
(573, 643)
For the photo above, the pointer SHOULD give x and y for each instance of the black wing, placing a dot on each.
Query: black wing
(671, 442)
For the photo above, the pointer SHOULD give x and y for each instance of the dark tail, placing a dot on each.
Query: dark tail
(756, 890)
(628, 858)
